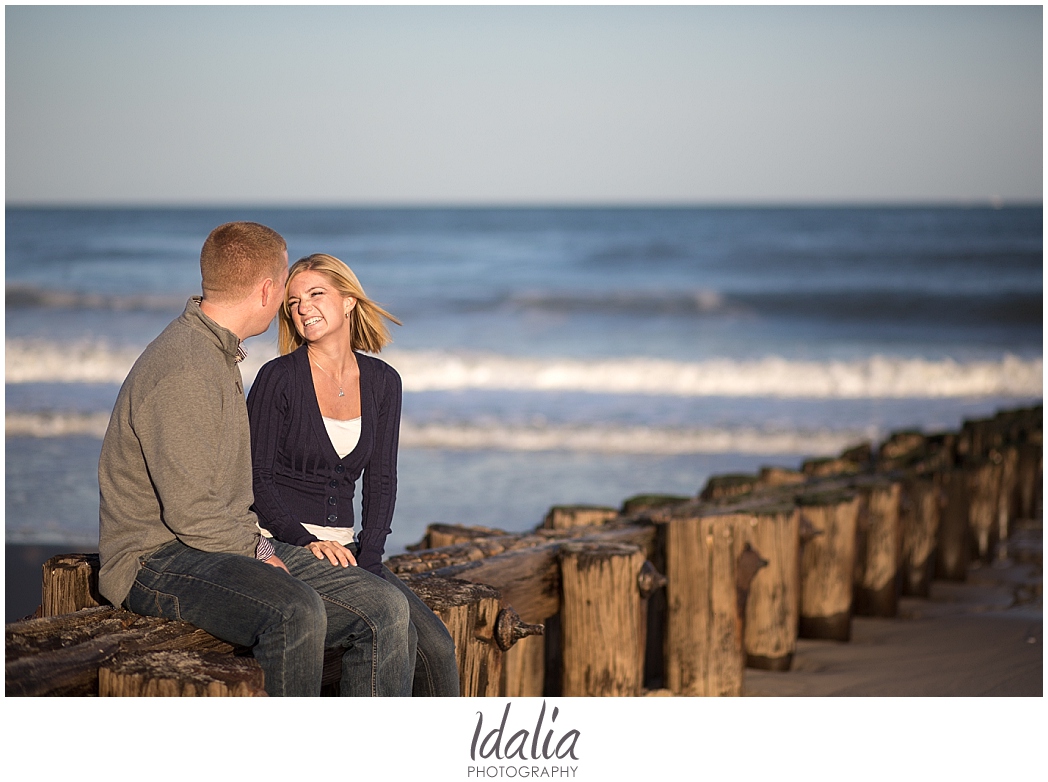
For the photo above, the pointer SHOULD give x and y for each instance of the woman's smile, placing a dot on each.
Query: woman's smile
(315, 306)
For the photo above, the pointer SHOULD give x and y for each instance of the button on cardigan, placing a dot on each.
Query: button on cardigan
(300, 479)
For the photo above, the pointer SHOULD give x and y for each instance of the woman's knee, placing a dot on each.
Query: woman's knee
(303, 610)
(394, 608)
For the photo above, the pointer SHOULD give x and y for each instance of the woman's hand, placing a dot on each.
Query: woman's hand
(336, 553)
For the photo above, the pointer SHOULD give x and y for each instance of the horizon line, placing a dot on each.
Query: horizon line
(956, 203)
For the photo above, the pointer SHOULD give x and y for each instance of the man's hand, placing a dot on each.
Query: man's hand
(276, 561)
(336, 553)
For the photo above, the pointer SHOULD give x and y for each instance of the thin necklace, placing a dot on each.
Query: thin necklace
(340, 391)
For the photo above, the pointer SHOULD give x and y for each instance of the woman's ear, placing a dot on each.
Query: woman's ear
(349, 303)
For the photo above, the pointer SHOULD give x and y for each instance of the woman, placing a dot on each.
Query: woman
(321, 415)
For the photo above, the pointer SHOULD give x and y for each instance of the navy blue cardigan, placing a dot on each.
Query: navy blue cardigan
(298, 476)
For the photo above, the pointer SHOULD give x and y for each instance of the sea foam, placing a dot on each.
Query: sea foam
(494, 436)
(874, 377)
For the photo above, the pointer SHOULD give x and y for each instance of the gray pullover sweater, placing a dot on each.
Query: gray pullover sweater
(176, 458)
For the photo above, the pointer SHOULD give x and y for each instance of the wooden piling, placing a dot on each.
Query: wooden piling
(953, 546)
(601, 620)
(526, 572)
(70, 582)
(1031, 469)
(920, 509)
(829, 467)
(643, 502)
(470, 612)
(984, 481)
(780, 476)
(61, 655)
(878, 547)
(721, 487)
(704, 648)
(828, 564)
(524, 669)
(567, 516)
(440, 535)
(772, 611)
(1008, 496)
(179, 674)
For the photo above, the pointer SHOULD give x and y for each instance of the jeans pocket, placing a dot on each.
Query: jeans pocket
(150, 602)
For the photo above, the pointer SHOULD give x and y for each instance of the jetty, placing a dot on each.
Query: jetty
(662, 596)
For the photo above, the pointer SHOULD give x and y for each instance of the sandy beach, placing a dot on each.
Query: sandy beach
(982, 637)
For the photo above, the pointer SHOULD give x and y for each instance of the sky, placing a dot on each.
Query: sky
(493, 105)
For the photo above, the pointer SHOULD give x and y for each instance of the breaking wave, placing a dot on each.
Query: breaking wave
(877, 377)
(21, 295)
(89, 361)
(56, 424)
(468, 436)
(626, 439)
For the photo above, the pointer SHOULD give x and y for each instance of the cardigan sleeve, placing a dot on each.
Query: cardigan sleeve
(380, 476)
(269, 407)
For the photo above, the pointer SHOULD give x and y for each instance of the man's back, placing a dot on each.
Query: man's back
(176, 458)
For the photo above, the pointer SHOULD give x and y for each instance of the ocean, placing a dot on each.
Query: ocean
(554, 356)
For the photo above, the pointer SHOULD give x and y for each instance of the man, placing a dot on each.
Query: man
(177, 536)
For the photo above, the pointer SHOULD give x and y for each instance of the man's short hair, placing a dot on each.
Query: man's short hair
(236, 256)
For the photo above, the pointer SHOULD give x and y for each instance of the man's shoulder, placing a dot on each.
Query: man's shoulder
(178, 350)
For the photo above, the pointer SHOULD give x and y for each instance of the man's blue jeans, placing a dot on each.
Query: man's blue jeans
(289, 620)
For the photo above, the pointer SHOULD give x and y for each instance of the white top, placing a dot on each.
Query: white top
(344, 435)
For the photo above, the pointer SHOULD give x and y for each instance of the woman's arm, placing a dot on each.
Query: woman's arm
(379, 488)
(268, 408)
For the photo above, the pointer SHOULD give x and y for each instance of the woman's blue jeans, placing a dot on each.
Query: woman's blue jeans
(289, 620)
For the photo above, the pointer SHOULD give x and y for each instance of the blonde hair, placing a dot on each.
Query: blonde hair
(236, 256)
(368, 331)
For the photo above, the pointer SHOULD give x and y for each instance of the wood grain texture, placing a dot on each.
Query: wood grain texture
(601, 621)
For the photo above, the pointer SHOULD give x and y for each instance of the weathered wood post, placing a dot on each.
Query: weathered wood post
(61, 655)
(601, 619)
(70, 582)
(524, 669)
(1031, 468)
(649, 502)
(878, 547)
(470, 612)
(830, 467)
(704, 649)
(774, 598)
(900, 447)
(1008, 496)
(567, 516)
(438, 535)
(179, 675)
(920, 509)
(723, 487)
(984, 482)
(828, 564)
(780, 476)
(953, 547)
